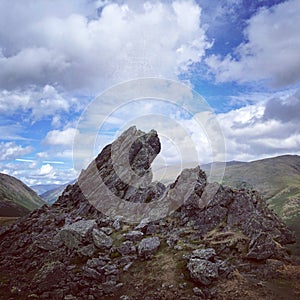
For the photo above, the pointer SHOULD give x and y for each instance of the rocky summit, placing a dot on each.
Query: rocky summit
(114, 234)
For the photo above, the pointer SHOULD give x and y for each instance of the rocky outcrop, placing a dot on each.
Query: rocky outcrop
(74, 251)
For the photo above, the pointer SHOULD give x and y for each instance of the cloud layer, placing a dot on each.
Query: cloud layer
(78, 51)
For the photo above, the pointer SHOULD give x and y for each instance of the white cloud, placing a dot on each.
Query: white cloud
(32, 174)
(271, 51)
(263, 129)
(61, 137)
(10, 151)
(126, 41)
(45, 170)
(37, 102)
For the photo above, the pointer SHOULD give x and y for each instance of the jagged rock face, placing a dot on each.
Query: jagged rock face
(73, 250)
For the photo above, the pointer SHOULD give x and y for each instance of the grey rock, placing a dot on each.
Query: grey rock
(91, 273)
(127, 248)
(117, 224)
(143, 224)
(72, 234)
(134, 235)
(261, 247)
(208, 253)
(87, 250)
(125, 297)
(96, 263)
(109, 287)
(49, 275)
(70, 297)
(198, 292)
(48, 243)
(203, 271)
(107, 230)
(101, 240)
(148, 247)
(126, 267)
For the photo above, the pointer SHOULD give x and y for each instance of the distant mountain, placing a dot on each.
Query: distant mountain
(43, 188)
(16, 198)
(52, 195)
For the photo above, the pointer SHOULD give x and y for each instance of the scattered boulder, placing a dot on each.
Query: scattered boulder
(127, 248)
(101, 240)
(203, 271)
(134, 235)
(72, 234)
(148, 247)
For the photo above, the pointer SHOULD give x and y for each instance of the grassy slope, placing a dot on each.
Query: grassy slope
(16, 199)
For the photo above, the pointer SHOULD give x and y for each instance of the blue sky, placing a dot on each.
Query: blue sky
(243, 57)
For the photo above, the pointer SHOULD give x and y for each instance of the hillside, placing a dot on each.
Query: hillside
(16, 198)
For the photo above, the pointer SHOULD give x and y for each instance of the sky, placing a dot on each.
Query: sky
(57, 57)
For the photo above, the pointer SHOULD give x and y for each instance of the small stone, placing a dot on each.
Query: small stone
(91, 273)
(183, 285)
(127, 248)
(198, 292)
(134, 235)
(88, 250)
(126, 267)
(107, 230)
(117, 224)
(178, 247)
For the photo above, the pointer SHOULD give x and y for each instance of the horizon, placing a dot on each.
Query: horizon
(55, 60)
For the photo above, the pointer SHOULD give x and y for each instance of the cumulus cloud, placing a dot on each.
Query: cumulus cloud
(263, 129)
(270, 52)
(45, 170)
(125, 41)
(37, 102)
(284, 110)
(10, 151)
(61, 137)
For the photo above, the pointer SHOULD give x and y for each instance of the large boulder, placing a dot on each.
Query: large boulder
(73, 234)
